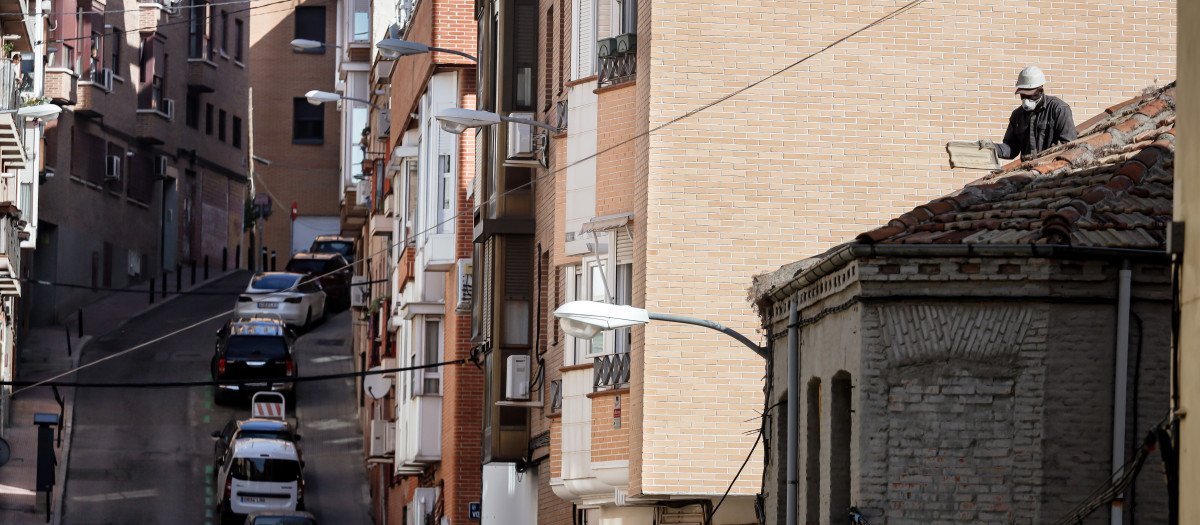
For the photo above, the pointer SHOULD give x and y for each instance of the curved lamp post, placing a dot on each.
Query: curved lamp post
(317, 97)
(585, 319)
(457, 120)
(304, 43)
(39, 111)
(402, 48)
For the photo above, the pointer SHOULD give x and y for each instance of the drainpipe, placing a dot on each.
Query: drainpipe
(1120, 385)
(793, 421)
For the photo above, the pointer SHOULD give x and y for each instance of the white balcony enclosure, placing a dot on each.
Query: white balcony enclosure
(437, 254)
(419, 433)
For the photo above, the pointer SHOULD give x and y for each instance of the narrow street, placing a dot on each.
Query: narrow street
(146, 455)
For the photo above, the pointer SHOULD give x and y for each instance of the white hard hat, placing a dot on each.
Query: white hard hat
(1030, 78)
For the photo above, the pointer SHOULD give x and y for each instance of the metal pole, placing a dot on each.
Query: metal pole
(151, 290)
(193, 263)
(205, 267)
(272, 260)
(79, 321)
(68, 331)
(1120, 384)
(760, 350)
(178, 277)
(793, 411)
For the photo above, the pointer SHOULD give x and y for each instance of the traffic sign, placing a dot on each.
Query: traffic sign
(295, 210)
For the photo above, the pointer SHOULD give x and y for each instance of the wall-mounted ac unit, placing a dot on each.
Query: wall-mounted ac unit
(422, 505)
(168, 109)
(160, 166)
(383, 437)
(135, 264)
(465, 286)
(106, 79)
(384, 124)
(112, 167)
(516, 384)
(520, 138)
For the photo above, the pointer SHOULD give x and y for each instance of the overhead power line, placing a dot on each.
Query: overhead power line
(185, 21)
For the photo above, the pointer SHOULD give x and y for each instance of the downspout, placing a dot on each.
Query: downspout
(793, 402)
(1120, 386)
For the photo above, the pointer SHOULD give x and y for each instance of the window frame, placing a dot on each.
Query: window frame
(310, 33)
(315, 136)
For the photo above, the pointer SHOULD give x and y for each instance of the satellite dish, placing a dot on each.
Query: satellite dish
(376, 385)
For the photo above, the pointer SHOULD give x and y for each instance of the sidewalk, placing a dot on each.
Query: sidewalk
(42, 354)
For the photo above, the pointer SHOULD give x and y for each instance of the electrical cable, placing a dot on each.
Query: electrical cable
(708, 520)
(165, 24)
(115, 11)
(189, 384)
(177, 292)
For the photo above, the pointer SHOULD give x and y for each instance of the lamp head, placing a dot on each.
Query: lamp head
(40, 111)
(457, 120)
(318, 97)
(304, 43)
(585, 319)
(400, 48)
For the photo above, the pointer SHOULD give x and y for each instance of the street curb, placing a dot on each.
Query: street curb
(56, 513)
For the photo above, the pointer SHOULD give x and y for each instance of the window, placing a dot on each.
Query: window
(238, 30)
(310, 25)
(362, 21)
(624, 17)
(94, 70)
(114, 50)
(192, 111)
(525, 48)
(197, 29)
(224, 32)
(623, 289)
(236, 139)
(427, 381)
(812, 460)
(152, 75)
(221, 125)
(583, 48)
(308, 122)
(66, 28)
(208, 119)
(141, 181)
(840, 429)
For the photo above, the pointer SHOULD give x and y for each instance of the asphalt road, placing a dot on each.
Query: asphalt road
(146, 455)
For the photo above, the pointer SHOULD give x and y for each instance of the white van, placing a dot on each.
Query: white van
(259, 474)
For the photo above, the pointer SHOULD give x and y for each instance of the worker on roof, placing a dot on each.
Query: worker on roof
(1041, 122)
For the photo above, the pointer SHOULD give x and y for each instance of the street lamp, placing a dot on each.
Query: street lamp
(585, 319)
(39, 111)
(305, 44)
(457, 120)
(317, 97)
(402, 48)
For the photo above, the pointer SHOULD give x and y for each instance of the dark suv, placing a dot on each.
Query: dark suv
(343, 246)
(333, 273)
(257, 353)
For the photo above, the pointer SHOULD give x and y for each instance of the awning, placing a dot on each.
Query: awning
(605, 223)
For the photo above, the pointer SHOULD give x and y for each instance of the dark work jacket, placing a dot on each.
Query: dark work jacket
(1030, 132)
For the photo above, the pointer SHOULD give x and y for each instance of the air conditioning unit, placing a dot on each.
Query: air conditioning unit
(520, 138)
(384, 126)
(112, 167)
(135, 264)
(383, 437)
(423, 502)
(466, 286)
(160, 166)
(168, 109)
(106, 79)
(516, 384)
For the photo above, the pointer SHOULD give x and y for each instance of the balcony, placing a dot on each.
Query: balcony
(610, 372)
(617, 69)
(419, 425)
(202, 75)
(10, 244)
(153, 14)
(12, 148)
(91, 90)
(353, 213)
(61, 86)
(154, 114)
(437, 253)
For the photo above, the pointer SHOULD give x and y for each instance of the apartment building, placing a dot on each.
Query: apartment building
(145, 169)
(424, 435)
(701, 144)
(296, 143)
(21, 152)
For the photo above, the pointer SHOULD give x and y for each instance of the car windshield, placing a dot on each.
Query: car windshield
(274, 282)
(265, 469)
(342, 247)
(283, 520)
(313, 266)
(255, 347)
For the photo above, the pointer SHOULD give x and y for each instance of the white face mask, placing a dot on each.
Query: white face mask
(1030, 104)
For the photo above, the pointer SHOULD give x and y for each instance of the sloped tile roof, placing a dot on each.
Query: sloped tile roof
(1110, 188)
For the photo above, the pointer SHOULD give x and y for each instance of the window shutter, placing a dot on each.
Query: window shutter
(585, 40)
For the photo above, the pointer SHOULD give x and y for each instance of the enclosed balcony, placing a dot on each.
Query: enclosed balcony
(10, 249)
(12, 149)
(202, 75)
(419, 425)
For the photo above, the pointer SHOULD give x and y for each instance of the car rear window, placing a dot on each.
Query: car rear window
(255, 347)
(274, 282)
(306, 266)
(342, 247)
(283, 520)
(265, 469)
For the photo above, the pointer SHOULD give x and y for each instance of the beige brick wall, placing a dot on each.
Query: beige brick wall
(609, 443)
(811, 157)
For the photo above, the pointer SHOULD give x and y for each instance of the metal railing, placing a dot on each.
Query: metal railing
(10, 85)
(556, 396)
(560, 112)
(610, 372)
(617, 70)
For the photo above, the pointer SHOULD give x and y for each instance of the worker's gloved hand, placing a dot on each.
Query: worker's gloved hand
(986, 143)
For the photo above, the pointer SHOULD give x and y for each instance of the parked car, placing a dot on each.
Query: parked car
(294, 297)
(252, 428)
(258, 474)
(281, 517)
(256, 351)
(333, 244)
(330, 269)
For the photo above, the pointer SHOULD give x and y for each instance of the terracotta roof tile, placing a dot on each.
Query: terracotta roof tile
(1112, 187)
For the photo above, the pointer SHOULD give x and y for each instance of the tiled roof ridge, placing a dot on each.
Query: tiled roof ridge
(1131, 138)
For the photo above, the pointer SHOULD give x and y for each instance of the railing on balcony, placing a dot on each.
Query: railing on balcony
(610, 372)
(560, 111)
(10, 85)
(556, 396)
(617, 70)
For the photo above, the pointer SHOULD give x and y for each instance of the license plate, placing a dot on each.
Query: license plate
(253, 500)
(268, 305)
(256, 384)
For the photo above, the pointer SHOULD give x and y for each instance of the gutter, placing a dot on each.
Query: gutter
(846, 253)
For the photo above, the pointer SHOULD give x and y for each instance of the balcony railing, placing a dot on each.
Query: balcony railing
(556, 396)
(560, 111)
(617, 70)
(610, 372)
(10, 85)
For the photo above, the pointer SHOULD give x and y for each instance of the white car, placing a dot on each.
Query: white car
(258, 474)
(294, 297)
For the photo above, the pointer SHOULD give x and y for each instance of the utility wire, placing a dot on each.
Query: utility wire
(186, 21)
(114, 11)
(708, 520)
(189, 384)
(177, 292)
